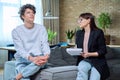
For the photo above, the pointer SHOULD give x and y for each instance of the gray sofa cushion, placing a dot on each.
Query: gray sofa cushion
(110, 53)
(9, 70)
(112, 62)
(68, 58)
(58, 73)
(56, 57)
(116, 51)
(59, 57)
(116, 69)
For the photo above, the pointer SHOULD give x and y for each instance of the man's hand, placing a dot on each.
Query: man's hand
(42, 60)
(39, 60)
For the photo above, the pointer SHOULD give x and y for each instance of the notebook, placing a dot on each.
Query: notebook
(74, 51)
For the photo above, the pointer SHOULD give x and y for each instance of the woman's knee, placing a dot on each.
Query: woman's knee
(94, 75)
(84, 66)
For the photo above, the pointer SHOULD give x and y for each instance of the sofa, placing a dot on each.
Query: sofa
(62, 66)
(113, 60)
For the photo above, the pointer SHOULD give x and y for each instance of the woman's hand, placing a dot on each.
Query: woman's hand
(85, 55)
(92, 54)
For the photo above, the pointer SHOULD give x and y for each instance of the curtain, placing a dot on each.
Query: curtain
(53, 22)
(9, 17)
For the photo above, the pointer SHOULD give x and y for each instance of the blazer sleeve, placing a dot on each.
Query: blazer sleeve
(101, 44)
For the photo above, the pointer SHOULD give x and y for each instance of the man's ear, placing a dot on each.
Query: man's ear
(23, 17)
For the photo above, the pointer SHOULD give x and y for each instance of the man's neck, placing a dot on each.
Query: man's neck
(28, 25)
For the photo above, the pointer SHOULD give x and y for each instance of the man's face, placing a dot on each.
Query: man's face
(28, 16)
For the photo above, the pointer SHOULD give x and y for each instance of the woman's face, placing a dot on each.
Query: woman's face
(83, 22)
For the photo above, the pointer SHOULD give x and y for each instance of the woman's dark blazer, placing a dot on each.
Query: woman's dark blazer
(96, 43)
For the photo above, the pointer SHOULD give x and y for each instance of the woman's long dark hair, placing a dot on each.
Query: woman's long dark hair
(92, 20)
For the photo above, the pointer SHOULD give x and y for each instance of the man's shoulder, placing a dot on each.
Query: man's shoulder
(36, 24)
(18, 27)
(16, 30)
(39, 25)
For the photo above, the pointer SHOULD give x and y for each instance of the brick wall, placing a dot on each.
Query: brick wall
(71, 9)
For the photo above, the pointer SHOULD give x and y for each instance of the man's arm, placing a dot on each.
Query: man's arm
(19, 45)
(44, 42)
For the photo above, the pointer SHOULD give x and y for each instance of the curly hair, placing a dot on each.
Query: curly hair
(24, 7)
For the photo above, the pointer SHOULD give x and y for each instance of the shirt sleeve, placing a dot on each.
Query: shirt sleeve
(19, 45)
(44, 42)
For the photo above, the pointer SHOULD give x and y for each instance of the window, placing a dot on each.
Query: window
(9, 17)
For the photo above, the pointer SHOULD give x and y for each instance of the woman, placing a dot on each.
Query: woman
(93, 66)
(31, 44)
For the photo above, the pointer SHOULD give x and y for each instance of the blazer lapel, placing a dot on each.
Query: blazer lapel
(90, 39)
(81, 38)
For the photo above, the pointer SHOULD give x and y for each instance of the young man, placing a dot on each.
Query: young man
(31, 44)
